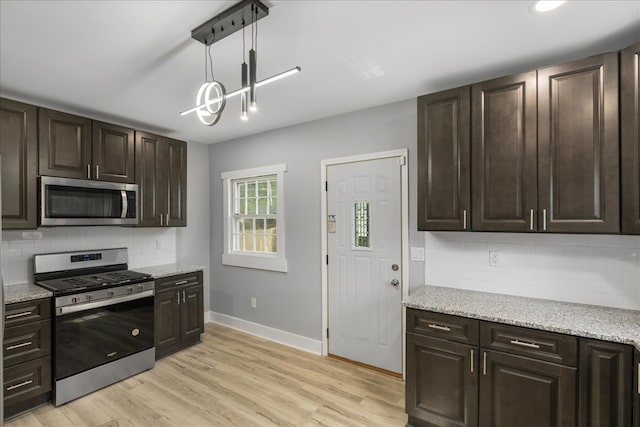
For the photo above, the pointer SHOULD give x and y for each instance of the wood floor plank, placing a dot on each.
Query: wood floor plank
(236, 379)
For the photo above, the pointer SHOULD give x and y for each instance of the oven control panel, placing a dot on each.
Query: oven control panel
(104, 296)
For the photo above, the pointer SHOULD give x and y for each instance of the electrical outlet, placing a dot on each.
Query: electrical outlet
(253, 303)
(417, 254)
(494, 259)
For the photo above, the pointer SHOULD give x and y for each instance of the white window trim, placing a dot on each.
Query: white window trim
(261, 261)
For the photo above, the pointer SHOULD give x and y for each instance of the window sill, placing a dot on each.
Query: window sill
(255, 261)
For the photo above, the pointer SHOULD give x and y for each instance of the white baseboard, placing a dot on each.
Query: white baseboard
(277, 335)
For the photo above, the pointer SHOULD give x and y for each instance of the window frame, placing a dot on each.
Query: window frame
(257, 260)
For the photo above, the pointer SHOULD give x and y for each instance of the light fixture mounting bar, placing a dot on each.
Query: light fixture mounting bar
(229, 21)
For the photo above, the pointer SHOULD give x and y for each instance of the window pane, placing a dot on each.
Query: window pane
(251, 206)
(262, 188)
(260, 244)
(242, 189)
(273, 187)
(271, 243)
(273, 205)
(262, 205)
(259, 225)
(361, 224)
(243, 206)
(251, 189)
(247, 226)
(248, 242)
(271, 226)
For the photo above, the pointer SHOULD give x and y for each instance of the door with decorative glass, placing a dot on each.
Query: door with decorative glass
(364, 243)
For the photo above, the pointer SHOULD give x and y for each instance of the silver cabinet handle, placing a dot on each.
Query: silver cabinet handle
(183, 297)
(638, 378)
(472, 361)
(125, 204)
(531, 220)
(13, 347)
(167, 221)
(97, 171)
(484, 364)
(161, 219)
(464, 219)
(182, 282)
(89, 171)
(178, 293)
(14, 316)
(544, 219)
(525, 344)
(439, 327)
(22, 384)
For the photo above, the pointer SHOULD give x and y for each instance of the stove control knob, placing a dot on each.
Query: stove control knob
(141, 287)
(111, 294)
(129, 290)
(89, 297)
(75, 300)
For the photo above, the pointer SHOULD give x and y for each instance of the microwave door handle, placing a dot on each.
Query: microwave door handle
(125, 204)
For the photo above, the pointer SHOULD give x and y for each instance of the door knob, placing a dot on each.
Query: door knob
(395, 267)
(395, 282)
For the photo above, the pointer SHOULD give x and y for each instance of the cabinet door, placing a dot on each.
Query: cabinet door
(192, 313)
(578, 145)
(444, 160)
(636, 391)
(19, 151)
(64, 144)
(442, 382)
(524, 392)
(504, 154)
(630, 137)
(167, 322)
(113, 153)
(605, 384)
(149, 177)
(176, 181)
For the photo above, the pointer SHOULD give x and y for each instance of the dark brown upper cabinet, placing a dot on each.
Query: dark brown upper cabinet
(19, 151)
(504, 154)
(161, 175)
(113, 153)
(69, 148)
(444, 160)
(578, 146)
(65, 145)
(630, 138)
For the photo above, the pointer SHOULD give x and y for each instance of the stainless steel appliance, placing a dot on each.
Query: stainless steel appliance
(103, 326)
(66, 201)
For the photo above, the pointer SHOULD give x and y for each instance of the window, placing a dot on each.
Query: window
(254, 222)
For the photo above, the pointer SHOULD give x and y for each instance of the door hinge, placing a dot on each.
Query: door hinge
(327, 259)
(327, 333)
(326, 186)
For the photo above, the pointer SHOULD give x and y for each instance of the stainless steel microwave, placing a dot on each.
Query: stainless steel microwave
(66, 201)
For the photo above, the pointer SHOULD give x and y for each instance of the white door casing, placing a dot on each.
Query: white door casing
(364, 230)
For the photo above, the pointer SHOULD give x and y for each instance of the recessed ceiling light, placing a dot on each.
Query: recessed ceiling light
(542, 6)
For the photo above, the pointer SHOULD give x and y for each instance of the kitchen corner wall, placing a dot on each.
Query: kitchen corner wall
(147, 246)
(589, 269)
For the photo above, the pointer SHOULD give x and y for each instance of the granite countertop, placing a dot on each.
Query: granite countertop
(158, 271)
(22, 292)
(591, 321)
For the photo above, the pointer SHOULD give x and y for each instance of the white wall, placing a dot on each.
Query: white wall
(147, 246)
(589, 269)
(192, 241)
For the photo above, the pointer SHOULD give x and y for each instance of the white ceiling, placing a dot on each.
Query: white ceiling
(134, 63)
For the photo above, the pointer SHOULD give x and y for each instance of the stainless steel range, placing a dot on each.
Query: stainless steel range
(103, 328)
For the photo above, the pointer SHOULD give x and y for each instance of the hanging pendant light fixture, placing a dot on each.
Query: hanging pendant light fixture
(212, 96)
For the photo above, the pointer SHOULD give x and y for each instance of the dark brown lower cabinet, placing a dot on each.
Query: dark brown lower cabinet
(605, 384)
(442, 382)
(524, 392)
(636, 391)
(179, 312)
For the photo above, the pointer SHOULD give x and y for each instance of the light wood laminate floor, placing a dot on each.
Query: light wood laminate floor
(236, 379)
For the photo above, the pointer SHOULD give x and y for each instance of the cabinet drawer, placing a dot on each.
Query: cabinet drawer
(26, 342)
(542, 345)
(453, 328)
(27, 312)
(27, 380)
(179, 280)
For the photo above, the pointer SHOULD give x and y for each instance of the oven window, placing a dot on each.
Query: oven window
(78, 202)
(91, 338)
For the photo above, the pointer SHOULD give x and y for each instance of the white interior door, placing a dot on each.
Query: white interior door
(364, 243)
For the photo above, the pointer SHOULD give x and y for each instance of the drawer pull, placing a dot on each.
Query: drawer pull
(13, 347)
(525, 344)
(22, 384)
(439, 327)
(471, 361)
(182, 282)
(14, 316)
(484, 363)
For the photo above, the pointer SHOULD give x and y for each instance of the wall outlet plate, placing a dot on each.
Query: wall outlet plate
(494, 259)
(417, 254)
(253, 303)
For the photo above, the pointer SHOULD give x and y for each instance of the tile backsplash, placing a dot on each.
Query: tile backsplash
(588, 269)
(147, 246)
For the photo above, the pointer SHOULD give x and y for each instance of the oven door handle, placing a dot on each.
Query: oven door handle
(125, 204)
(60, 311)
